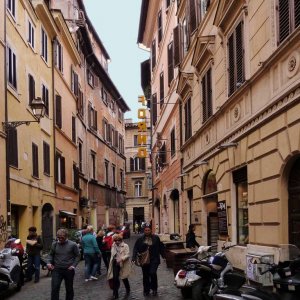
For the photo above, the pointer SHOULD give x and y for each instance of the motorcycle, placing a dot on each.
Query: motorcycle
(10, 267)
(286, 279)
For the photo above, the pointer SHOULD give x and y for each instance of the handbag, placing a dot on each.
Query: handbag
(111, 283)
(143, 258)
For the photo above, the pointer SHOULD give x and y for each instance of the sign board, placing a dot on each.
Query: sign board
(222, 217)
(142, 129)
(196, 217)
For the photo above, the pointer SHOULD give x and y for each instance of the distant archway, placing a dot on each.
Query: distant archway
(174, 196)
(157, 215)
(47, 226)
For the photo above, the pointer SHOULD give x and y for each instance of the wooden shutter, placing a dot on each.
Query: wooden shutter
(56, 166)
(76, 177)
(142, 164)
(297, 13)
(90, 115)
(170, 63)
(161, 89)
(154, 109)
(13, 147)
(73, 129)
(239, 43)
(58, 113)
(31, 88)
(116, 139)
(35, 160)
(159, 24)
(207, 96)
(62, 170)
(95, 125)
(284, 19)
(167, 3)
(153, 54)
(192, 16)
(76, 84)
(131, 164)
(177, 45)
(204, 99)
(46, 158)
(231, 65)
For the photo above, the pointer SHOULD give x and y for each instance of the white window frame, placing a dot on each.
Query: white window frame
(12, 68)
(59, 63)
(30, 33)
(11, 7)
(44, 45)
(45, 88)
(138, 188)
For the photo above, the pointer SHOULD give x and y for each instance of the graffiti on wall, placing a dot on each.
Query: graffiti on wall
(3, 230)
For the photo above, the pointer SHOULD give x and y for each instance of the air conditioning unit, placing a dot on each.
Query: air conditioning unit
(253, 271)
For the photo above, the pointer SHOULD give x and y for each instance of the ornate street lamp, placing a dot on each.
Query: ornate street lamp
(38, 108)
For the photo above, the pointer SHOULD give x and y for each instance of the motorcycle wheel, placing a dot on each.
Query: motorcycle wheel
(198, 292)
(19, 285)
(186, 293)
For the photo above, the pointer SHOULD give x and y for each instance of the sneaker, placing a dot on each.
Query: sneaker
(93, 278)
(86, 280)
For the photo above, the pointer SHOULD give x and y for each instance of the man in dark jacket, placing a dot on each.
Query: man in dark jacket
(156, 248)
(63, 258)
(33, 248)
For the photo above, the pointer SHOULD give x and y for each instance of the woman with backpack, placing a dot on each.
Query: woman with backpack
(107, 244)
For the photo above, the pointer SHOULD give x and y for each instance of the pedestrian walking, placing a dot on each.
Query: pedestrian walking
(62, 261)
(191, 237)
(33, 248)
(108, 241)
(99, 239)
(91, 254)
(149, 242)
(119, 266)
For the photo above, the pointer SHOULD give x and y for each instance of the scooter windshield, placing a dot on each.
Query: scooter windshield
(288, 252)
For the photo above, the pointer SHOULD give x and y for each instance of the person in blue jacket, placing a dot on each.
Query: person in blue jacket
(91, 254)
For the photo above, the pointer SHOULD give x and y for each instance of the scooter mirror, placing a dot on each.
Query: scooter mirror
(255, 260)
(17, 241)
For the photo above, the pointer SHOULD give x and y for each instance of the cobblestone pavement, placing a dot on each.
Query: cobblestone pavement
(100, 289)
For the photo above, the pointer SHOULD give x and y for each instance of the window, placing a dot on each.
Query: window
(120, 115)
(113, 175)
(185, 36)
(75, 177)
(106, 171)
(138, 189)
(91, 78)
(92, 117)
(137, 164)
(135, 140)
(236, 59)
(105, 125)
(154, 109)
(58, 112)
(122, 179)
(177, 46)
(93, 158)
(46, 156)
(161, 89)
(121, 144)
(159, 26)
(35, 160)
(74, 82)
(206, 96)
(153, 54)
(73, 129)
(11, 6)
(80, 102)
(80, 156)
(12, 68)
(112, 135)
(173, 144)
(289, 17)
(116, 145)
(104, 95)
(241, 183)
(58, 54)
(170, 63)
(13, 147)
(31, 88)
(188, 119)
(60, 168)
(30, 37)
(45, 97)
(44, 46)
(167, 3)
(192, 15)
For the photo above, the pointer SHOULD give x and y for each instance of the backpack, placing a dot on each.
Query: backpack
(108, 241)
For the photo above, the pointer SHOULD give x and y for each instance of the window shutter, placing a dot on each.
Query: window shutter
(73, 129)
(76, 177)
(170, 63)
(143, 163)
(153, 54)
(192, 16)
(161, 88)
(297, 13)
(35, 161)
(284, 19)
(209, 94)
(95, 120)
(204, 99)
(177, 45)
(46, 158)
(239, 43)
(154, 109)
(58, 111)
(131, 164)
(62, 170)
(159, 29)
(31, 88)
(76, 84)
(56, 166)
(231, 65)
(116, 139)
(89, 115)
(13, 147)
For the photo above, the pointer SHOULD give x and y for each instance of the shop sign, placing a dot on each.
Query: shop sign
(142, 128)
(222, 218)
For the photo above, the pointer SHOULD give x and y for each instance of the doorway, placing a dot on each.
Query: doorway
(47, 226)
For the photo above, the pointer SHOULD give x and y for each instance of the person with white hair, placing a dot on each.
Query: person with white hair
(91, 254)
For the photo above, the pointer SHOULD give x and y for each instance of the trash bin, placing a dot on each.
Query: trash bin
(170, 245)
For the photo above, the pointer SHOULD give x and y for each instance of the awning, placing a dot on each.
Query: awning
(65, 213)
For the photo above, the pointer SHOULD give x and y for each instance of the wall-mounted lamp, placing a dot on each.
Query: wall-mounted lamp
(200, 163)
(228, 145)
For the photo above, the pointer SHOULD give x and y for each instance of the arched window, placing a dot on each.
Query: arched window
(137, 164)
(138, 189)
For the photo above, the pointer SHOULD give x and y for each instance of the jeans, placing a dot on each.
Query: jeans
(91, 264)
(57, 276)
(150, 277)
(116, 280)
(33, 267)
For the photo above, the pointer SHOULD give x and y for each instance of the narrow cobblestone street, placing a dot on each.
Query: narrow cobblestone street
(100, 289)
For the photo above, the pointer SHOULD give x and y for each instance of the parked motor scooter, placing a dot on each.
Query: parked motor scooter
(10, 267)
